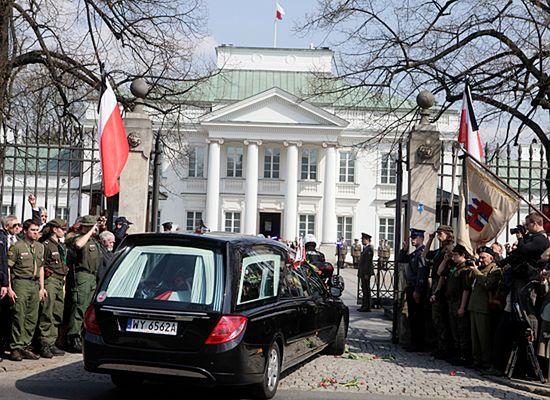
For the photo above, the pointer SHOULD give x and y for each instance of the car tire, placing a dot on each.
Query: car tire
(126, 381)
(268, 387)
(338, 346)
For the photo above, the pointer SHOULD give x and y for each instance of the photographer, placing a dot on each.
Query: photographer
(121, 227)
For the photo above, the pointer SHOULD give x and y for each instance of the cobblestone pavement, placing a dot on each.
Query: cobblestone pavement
(379, 367)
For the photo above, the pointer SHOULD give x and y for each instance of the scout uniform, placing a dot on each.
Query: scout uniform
(25, 260)
(456, 284)
(87, 264)
(483, 282)
(51, 313)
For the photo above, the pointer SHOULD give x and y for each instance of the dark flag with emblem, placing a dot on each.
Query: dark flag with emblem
(485, 207)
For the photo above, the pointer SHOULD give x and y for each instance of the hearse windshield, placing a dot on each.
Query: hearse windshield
(169, 273)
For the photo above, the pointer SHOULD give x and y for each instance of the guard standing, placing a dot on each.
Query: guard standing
(87, 264)
(26, 290)
(365, 271)
(356, 249)
(55, 270)
(417, 284)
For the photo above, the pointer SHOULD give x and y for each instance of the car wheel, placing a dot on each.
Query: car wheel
(126, 381)
(338, 346)
(268, 387)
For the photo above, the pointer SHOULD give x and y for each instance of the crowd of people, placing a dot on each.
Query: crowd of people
(48, 274)
(475, 309)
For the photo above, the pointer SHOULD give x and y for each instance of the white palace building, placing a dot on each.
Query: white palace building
(266, 157)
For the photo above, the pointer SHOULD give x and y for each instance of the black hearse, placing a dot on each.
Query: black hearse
(216, 309)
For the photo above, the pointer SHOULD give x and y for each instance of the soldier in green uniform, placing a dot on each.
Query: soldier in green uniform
(457, 294)
(87, 264)
(484, 280)
(26, 290)
(55, 269)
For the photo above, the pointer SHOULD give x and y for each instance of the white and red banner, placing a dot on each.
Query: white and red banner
(113, 144)
(485, 207)
(279, 12)
(468, 133)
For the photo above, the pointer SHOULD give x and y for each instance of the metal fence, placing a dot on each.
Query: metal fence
(60, 168)
(381, 284)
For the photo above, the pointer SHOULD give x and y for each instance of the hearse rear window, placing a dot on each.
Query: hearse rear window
(259, 277)
(169, 273)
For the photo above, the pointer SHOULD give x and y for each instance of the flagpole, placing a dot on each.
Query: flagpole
(275, 34)
(499, 179)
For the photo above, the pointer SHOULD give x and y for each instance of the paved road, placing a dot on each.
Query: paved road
(373, 368)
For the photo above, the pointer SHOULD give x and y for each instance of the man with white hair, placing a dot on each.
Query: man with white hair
(107, 241)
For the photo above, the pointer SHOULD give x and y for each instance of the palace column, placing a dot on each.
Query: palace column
(251, 191)
(213, 184)
(329, 195)
(291, 195)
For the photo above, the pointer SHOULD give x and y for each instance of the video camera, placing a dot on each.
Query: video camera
(518, 229)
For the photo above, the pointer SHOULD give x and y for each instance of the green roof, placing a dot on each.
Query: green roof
(237, 85)
(31, 160)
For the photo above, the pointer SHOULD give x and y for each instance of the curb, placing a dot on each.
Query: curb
(530, 387)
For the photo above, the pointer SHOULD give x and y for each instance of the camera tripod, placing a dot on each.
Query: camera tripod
(527, 342)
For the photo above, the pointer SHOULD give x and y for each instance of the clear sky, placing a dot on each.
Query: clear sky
(250, 23)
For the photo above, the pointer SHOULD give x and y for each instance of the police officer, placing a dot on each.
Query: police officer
(365, 271)
(86, 266)
(55, 270)
(417, 283)
(26, 290)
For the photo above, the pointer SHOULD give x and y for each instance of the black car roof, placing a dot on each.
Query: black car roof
(217, 239)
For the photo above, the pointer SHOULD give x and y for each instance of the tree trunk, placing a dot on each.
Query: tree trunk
(6, 13)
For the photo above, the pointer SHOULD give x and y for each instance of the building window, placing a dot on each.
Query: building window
(196, 162)
(62, 212)
(8, 209)
(307, 224)
(388, 171)
(234, 162)
(344, 229)
(309, 164)
(194, 219)
(271, 163)
(386, 230)
(233, 222)
(347, 167)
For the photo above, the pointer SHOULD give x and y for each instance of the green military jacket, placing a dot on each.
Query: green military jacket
(89, 257)
(484, 282)
(55, 258)
(456, 281)
(25, 259)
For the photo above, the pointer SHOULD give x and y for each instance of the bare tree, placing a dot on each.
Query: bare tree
(51, 50)
(392, 48)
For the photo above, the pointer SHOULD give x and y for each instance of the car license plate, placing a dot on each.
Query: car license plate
(149, 326)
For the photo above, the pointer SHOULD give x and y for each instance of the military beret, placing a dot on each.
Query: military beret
(488, 250)
(460, 249)
(122, 220)
(365, 236)
(57, 223)
(417, 233)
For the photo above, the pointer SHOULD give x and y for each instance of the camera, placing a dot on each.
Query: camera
(518, 229)
(470, 263)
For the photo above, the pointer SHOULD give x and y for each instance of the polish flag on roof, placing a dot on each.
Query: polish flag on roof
(113, 144)
(280, 12)
(468, 133)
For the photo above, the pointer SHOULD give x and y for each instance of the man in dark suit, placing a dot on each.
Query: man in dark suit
(365, 271)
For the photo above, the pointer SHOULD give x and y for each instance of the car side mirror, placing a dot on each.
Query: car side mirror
(337, 285)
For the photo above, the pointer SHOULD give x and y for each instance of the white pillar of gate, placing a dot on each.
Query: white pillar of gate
(251, 191)
(329, 196)
(213, 184)
(291, 196)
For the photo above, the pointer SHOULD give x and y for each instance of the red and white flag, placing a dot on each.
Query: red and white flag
(280, 12)
(113, 144)
(468, 133)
